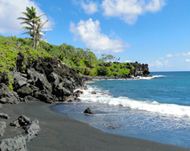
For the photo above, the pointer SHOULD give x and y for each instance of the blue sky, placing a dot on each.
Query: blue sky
(156, 32)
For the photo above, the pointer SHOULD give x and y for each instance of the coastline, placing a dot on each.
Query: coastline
(59, 132)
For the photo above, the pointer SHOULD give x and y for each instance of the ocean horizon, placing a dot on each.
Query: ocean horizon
(155, 108)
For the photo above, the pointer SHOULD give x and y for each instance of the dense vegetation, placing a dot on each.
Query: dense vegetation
(84, 61)
(9, 51)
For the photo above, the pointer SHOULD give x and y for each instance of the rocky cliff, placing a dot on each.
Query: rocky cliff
(43, 79)
(139, 70)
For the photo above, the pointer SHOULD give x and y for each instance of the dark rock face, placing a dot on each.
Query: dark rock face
(8, 96)
(44, 79)
(88, 111)
(21, 121)
(140, 69)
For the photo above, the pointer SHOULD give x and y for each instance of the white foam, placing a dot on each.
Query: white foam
(152, 77)
(150, 106)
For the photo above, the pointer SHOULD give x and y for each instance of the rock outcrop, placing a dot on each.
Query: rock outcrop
(7, 96)
(88, 111)
(2, 128)
(44, 79)
(13, 144)
(140, 70)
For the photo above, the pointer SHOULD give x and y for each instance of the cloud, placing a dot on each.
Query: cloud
(186, 54)
(129, 10)
(128, 61)
(10, 10)
(90, 8)
(187, 60)
(89, 32)
(161, 58)
(156, 64)
(169, 55)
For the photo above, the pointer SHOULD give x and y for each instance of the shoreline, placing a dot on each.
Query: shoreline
(118, 77)
(59, 132)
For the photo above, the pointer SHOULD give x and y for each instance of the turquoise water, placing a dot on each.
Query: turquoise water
(156, 109)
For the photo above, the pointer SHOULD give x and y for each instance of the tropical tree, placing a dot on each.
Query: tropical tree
(33, 25)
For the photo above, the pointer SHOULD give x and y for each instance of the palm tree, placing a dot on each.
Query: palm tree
(34, 25)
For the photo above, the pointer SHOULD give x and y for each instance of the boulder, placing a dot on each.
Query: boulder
(69, 98)
(2, 128)
(4, 116)
(88, 111)
(29, 98)
(32, 130)
(22, 121)
(93, 92)
(39, 80)
(19, 79)
(13, 144)
(45, 96)
(8, 96)
(19, 61)
(61, 91)
(4, 77)
(54, 78)
(24, 91)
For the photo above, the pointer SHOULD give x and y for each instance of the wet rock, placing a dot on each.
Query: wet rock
(69, 98)
(8, 96)
(93, 92)
(2, 128)
(111, 127)
(88, 111)
(4, 116)
(13, 144)
(77, 93)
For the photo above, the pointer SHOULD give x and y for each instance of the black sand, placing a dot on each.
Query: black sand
(60, 133)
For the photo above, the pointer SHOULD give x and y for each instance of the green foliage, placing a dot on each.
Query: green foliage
(84, 61)
(9, 51)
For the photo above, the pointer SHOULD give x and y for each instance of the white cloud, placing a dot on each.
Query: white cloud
(155, 5)
(156, 64)
(128, 61)
(186, 54)
(169, 55)
(10, 10)
(187, 60)
(90, 8)
(161, 58)
(129, 10)
(89, 32)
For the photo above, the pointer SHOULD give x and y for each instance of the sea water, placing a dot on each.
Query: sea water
(155, 108)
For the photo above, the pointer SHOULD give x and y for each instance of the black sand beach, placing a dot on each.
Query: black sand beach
(60, 133)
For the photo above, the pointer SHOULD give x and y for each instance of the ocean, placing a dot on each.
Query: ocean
(156, 108)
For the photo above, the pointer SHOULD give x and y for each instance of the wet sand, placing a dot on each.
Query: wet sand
(60, 133)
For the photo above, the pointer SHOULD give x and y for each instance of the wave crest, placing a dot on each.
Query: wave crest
(150, 106)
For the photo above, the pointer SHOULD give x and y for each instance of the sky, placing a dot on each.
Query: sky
(156, 32)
